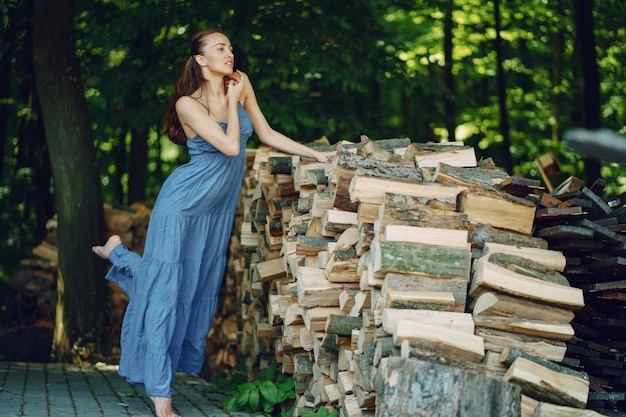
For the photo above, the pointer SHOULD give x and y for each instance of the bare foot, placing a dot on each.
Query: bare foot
(163, 407)
(105, 251)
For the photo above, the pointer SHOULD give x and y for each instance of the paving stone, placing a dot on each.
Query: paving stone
(59, 390)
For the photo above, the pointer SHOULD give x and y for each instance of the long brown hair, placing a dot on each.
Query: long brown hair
(190, 80)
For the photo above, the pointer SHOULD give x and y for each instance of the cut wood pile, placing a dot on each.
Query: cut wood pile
(411, 279)
(32, 308)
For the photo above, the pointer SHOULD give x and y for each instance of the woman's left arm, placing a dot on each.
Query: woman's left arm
(271, 137)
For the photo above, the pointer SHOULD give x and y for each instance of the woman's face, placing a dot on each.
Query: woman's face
(217, 54)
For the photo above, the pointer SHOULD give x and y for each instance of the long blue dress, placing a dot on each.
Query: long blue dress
(173, 287)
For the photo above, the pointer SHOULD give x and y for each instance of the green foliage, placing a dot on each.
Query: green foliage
(265, 394)
(338, 69)
(321, 412)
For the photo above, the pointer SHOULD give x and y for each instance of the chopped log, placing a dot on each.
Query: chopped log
(315, 318)
(519, 186)
(349, 406)
(301, 177)
(363, 372)
(266, 330)
(280, 165)
(365, 399)
(545, 409)
(496, 341)
(426, 235)
(347, 163)
(509, 355)
(346, 300)
(544, 384)
(321, 203)
(342, 325)
(480, 233)
(361, 301)
(412, 211)
(342, 266)
(441, 387)
(271, 269)
(366, 188)
(492, 303)
(417, 283)
(384, 347)
(443, 339)
(338, 220)
(431, 155)
(314, 290)
(509, 213)
(345, 382)
(527, 267)
(372, 150)
(540, 328)
(551, 259)
(317, 176)
(312, 245)
(461, 322)
(419, 300)
(472, 178)
(414, 258)
(488, 276)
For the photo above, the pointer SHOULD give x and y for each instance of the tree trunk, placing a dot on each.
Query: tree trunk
(81, 287)
(449, 98)
(501, 82)
(583, 11)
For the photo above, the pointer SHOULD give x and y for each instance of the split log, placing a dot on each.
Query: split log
(497, 341)
(540, 328)
(510, 213)
(473, 178)
(545, 409)
(492, 303)
(367, 188)
(442, 339)
(445, 390)
(414, 258)
(544, 384)
(480, 233)
(416, 283)
(551, 259)
(431, 155)
(488, 276)
(462, 322)
(314, 290)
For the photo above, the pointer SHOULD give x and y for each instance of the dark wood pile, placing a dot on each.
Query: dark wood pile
(29, 314)
(591, 232)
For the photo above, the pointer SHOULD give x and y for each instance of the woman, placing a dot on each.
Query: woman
(173, 286)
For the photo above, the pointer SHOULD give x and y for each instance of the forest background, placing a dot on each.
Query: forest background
(506, 77)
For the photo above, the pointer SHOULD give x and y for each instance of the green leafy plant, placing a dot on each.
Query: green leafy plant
(321, 412)
(265, 394)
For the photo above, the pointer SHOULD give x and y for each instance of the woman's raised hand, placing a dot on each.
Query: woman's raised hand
(236, 84)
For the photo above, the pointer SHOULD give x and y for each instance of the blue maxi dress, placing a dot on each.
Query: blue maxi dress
(173, 287)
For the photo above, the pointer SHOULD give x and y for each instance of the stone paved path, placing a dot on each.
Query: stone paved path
(58, 390)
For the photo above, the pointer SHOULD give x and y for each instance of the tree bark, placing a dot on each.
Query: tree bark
(501, 82)
(81, 287)
(449, 99)
(583, 11)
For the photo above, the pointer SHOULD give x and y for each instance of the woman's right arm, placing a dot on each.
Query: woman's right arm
(195, 120)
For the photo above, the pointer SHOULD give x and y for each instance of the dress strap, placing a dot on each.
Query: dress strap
(202, 104)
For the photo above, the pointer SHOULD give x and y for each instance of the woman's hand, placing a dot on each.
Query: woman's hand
(235, 85)
(323, 156)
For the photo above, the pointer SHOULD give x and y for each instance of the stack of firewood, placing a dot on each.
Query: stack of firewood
(396, 257)
(590, 231)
